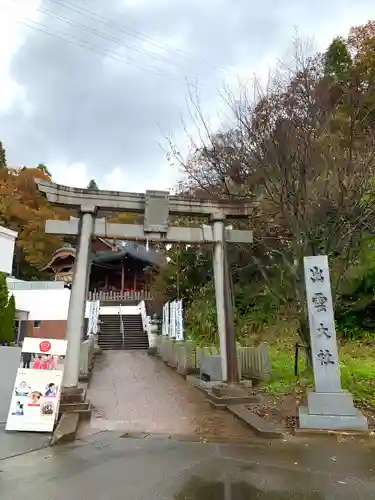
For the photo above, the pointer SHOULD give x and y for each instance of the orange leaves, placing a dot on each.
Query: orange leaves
(25, 210)
(362, 37)
(124, 218)
(361, 41)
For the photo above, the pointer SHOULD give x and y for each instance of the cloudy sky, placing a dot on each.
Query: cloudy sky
(92, 87)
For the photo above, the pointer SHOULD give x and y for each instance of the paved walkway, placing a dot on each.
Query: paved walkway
(106, 467)
(134, 392)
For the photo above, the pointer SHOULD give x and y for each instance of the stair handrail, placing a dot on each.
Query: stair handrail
(142, 310)
(122, 327)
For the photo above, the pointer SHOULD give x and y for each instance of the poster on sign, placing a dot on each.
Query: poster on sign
(179, 321)
(36, 393)
(172, 320)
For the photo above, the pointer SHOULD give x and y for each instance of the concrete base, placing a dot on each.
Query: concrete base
(211, 368)
(331, 411)
(221, 395)
(66, 429)
(328, 403)
(73, 394)
(261, 426)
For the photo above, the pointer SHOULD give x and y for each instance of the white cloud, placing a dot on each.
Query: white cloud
(73, 175)
(77, 175)
(64, 110)
(11, 39)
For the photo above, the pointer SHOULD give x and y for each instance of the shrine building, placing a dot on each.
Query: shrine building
(118, 269)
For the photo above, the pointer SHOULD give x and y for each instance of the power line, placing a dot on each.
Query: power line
(66, 4)
(120, 27)
(112, 39)
(40, 27)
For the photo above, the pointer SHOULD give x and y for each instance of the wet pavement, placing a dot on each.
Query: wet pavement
(14, 443)
(134, 392)
(108, 467)
(18, 443)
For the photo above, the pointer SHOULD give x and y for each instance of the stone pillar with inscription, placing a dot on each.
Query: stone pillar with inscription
(329, 407)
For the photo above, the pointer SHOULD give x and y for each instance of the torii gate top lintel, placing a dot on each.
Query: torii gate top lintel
(102, 201)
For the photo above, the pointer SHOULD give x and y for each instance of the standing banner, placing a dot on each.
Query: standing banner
(179, 321)
(163, 322)
(166, 319)
(172, 320)
(94, 311)
(36, 394)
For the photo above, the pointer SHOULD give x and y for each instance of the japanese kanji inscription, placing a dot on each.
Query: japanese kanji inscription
(322, 325)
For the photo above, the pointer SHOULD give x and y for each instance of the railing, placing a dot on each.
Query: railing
(142, 310)
(122, 328)
(35, 285)
(126, 295)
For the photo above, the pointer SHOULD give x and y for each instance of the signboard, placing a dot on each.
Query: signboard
(36, 393)
(179, 321)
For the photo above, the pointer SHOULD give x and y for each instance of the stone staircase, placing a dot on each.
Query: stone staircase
(132, 338)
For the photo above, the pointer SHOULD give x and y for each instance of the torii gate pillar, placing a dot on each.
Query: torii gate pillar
(224, 305)
(78, 296)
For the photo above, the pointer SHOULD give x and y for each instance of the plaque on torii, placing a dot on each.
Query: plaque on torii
(91, 207)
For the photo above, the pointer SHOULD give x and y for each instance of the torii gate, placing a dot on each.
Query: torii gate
(92, 205)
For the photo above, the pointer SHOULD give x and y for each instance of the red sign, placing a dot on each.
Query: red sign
(45, 346)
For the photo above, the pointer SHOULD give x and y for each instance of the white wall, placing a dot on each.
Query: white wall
(7, 238)
(113, 310)
(43, 305)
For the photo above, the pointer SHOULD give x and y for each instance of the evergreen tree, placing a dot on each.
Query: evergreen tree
(10, 317)
(3, 157)
(7, 312)
(43, 168)
(338, 61)
(93, 185)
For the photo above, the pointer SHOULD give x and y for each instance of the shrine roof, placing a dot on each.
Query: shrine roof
(61, 253)
(133, 250)
(124, 249)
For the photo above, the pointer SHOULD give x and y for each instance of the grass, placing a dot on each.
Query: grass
(283, 380)
(357, 365)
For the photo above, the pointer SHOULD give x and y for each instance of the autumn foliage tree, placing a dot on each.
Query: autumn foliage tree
(301, 152)
(25, 210)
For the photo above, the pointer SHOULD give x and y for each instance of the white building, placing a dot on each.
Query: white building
(41, 306)
(7, 240)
